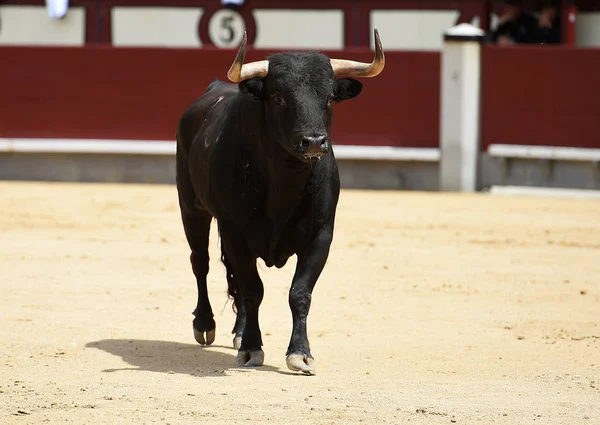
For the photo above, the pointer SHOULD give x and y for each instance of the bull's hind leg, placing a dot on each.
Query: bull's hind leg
(238, 305)
(196, 225)
(249, 292)
(197, 233)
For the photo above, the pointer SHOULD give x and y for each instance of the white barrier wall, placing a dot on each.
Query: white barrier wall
(31, 25)
(588, 29)
(162, 26)
(178, 27)
(155, 26)
(412, 29)
(301, 29)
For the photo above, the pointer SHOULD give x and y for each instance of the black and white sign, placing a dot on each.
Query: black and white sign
(226, 28)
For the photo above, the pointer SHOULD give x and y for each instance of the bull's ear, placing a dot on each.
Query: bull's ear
(347, 88)
(253, 86)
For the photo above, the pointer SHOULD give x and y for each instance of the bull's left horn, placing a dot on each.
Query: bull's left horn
(348, 68)
(240, 71)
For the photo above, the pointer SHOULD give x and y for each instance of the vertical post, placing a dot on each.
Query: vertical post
(460, 109)
(568, 20)
(485, 21)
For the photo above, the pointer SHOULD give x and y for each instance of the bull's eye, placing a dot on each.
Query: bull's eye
(278, 99)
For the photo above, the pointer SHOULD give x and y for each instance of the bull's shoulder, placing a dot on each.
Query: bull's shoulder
(199, 115)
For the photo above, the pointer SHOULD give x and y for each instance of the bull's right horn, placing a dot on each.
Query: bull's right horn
(348, 68)
(240, 71)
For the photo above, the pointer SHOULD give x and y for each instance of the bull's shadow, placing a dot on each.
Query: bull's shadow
(172, 357)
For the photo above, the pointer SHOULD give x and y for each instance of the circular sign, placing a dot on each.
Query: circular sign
(226, 28)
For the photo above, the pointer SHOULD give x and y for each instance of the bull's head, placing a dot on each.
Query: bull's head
(297, 91)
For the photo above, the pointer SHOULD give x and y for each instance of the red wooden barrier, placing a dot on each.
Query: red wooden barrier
(104, 92)
(530, 95)
(541, 96)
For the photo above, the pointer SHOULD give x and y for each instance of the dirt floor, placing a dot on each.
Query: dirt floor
(433, 309)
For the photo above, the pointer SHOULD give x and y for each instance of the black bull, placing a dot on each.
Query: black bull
(257, 157)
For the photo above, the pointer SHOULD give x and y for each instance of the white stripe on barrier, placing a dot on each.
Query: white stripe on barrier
(389, 153)
(163, 147)
(544, 152)
(88, 146)
(545, 192)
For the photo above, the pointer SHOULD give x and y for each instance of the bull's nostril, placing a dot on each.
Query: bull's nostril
(305, 143)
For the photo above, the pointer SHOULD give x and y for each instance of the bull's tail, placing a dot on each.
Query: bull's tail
(231, 289)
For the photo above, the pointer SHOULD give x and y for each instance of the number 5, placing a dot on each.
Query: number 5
(226, 25)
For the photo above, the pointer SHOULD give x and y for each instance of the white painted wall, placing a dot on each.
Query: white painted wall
(412, 29)
(276, 28)
(155, 26)
(178, 27)
(299, 29)
(588, 29)
(31, 25)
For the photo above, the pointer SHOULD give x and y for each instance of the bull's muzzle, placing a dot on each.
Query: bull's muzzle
(314, 146)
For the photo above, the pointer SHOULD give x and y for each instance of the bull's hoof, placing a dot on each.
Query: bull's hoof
(203, 339)
(237, 342)
(250, 358)
(301, 363)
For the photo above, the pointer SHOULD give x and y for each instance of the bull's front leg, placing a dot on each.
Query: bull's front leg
(242, 266)
(309, 267)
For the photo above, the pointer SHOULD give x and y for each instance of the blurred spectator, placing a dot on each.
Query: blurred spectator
(232, 2)
(548, 25)
(57, 8)
(515, 25)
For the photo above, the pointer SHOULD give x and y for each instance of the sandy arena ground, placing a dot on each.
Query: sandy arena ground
(432, 309)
